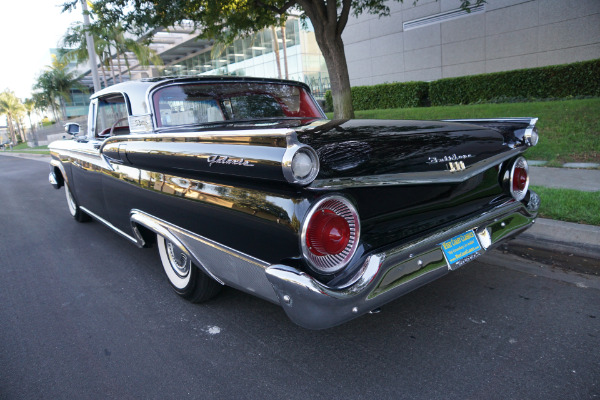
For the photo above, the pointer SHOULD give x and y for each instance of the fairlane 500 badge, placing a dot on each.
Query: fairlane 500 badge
(216, 159)
(453, 157)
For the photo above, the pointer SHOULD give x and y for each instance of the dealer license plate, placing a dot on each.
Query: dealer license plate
(461, 249)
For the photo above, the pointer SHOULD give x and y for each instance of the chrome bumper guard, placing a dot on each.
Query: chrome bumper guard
(390, 274)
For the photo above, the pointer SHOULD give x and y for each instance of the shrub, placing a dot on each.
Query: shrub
(328, 101)
(390, 95)
(557, 81)
(386, 95)
(579, 79)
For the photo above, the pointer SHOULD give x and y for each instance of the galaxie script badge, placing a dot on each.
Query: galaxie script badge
(452, 158)
(217, 159)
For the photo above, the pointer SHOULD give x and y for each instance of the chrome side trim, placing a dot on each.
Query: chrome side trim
(520, 120)
(58, 164)
(224, 264)
(270, 151)
(388, 275)
(415, 178)
(52, 179)
(111, 226)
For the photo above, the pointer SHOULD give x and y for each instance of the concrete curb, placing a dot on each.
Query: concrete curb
(29, 156)
(565, 237)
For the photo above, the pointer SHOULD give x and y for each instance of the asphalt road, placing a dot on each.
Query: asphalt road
(84, 314)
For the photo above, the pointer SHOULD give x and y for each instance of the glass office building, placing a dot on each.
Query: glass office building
(256, 55)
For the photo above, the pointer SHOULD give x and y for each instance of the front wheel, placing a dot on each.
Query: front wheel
(187, 280)
(74, 208)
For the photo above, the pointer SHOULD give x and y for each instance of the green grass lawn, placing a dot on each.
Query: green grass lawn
(23, 148)
(569, 205)
(569, 129)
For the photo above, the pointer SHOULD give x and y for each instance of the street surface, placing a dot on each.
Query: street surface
(84, 314)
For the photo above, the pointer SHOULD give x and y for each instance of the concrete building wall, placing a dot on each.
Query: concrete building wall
(507, 35)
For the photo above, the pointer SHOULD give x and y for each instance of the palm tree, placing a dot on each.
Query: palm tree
(76, 48)
(56, 82)
(43, 102)
(30, 107)
(108, 40)
(11, 106)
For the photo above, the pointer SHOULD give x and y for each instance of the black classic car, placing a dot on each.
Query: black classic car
(244, 182)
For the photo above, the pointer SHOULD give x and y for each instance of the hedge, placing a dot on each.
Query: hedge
(386, 95)
(557, 81)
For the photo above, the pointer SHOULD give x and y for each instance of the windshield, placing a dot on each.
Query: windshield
(197, 103)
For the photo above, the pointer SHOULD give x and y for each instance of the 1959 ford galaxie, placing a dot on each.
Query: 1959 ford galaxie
(244, 182)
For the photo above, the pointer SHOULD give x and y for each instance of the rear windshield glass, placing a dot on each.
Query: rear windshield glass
(190, 104)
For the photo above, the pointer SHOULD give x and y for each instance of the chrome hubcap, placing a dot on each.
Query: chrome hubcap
(179, 260)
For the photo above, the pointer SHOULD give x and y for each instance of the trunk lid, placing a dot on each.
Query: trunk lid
(358, 148)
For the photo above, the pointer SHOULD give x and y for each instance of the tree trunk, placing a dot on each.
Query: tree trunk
(21, 132)
(103, 73)
(33, 134)
(11, 129)
(276, 51)
(112, 68)
(332, 47)
(63, 108)
(119, 64)
(285, 61)
(53, 107)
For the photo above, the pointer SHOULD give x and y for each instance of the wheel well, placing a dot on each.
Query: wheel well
(60, 179)
(147, 235)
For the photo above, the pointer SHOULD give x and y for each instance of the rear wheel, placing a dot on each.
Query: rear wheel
(187, 280)
(74, 208)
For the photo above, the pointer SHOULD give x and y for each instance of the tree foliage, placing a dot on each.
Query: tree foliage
(109, 41)
(225, 20)
(56, 83)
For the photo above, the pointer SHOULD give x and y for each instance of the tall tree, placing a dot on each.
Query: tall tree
(11, 106)
(56, 82)
(30, 106)
(106, 40)
(225, 20)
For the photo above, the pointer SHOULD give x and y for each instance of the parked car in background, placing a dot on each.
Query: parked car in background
(244, 182)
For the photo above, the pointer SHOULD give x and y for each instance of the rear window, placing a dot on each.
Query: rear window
(191, 104)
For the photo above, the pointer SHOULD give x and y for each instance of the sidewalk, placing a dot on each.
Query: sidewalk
(586, 180)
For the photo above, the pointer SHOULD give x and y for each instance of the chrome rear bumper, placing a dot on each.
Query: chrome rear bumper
(390, 274)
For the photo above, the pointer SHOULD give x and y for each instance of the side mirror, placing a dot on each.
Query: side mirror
(72, 128)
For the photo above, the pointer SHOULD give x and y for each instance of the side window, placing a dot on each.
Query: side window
(112, 116)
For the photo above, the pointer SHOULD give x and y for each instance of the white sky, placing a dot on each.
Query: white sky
(28, 29)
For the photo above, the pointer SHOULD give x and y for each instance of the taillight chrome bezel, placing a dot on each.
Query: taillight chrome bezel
(518, 195)
(332, 263)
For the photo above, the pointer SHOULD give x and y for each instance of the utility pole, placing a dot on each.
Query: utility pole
(90, 47)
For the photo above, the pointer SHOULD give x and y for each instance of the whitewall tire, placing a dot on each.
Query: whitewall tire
(186, 278)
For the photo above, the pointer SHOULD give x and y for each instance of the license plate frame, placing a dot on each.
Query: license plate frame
(461, 249)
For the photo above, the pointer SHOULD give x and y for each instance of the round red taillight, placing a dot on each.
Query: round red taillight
(327, 233)
(519, 179)
(330, 234)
